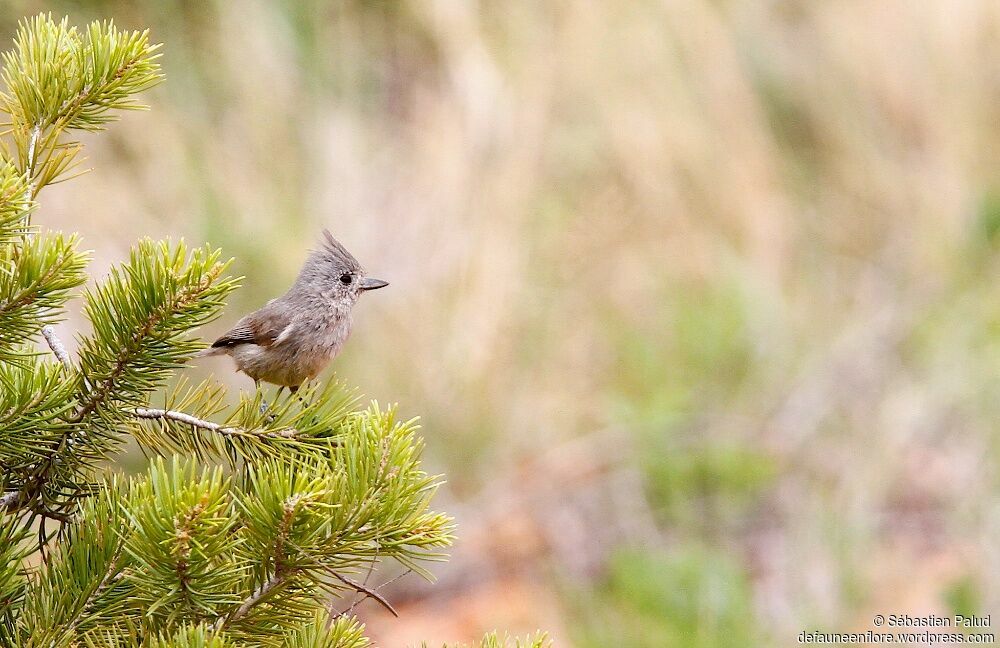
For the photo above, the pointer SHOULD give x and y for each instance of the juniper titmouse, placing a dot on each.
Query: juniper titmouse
(292, 338)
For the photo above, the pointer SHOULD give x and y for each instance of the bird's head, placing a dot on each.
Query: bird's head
(334, 273)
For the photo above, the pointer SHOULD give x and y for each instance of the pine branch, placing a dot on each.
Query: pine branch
(187, 419)
(81, 587)
(192, 539)
(493, 640)
(188, 636)
(58, 80)
(260, 594)
(321, 517)
(13, 581)
(15, 203)
(140, 316)
(322, 631)
(39, 276)
(35, 398)
(90, 599)
(250, 433)
(29, 170)
(181, 544)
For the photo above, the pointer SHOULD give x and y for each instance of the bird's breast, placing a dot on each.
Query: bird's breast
(327, 336)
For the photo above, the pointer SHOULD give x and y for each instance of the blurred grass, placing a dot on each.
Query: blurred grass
(694, 598)
(759, 239)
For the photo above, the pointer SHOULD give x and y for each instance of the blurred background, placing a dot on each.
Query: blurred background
(696, 300)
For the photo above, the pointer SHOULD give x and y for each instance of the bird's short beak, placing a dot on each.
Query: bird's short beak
(372, 284)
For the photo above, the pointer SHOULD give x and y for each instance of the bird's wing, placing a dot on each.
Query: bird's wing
(264, 328)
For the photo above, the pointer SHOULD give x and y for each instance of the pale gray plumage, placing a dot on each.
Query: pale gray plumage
(292, 338)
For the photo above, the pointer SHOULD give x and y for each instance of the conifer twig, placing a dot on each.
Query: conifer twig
(56, 345)
(350, 610)
(367, 591)
(110, 575)
(183, 417)
(29, 173)
(371, 568)
(250, 601)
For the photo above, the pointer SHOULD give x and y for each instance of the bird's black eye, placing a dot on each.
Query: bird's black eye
(346, 279)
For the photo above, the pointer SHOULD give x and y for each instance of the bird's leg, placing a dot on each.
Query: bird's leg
(263, 403)
(295, 391)
(305, 404)
(264, 407)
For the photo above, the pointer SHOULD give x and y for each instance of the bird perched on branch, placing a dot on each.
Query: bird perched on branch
(292, 338)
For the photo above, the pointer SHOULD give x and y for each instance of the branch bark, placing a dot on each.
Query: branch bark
(182, 417)
(56, 345)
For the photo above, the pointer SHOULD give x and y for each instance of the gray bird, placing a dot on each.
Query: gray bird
(292, 338)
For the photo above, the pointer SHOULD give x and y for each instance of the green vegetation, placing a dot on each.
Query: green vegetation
(690, 598)
(246, 531)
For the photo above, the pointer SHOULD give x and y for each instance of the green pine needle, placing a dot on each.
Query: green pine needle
(37, 276)
(58, 79)
(141, 316)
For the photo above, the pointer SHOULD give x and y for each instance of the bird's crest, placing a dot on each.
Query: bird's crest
(338, 252)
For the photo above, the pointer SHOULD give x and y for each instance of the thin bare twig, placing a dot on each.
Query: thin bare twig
(56, 345)
(367, 591)
(182, 417)
(371, 569)
(42, 541)
(350, 609)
